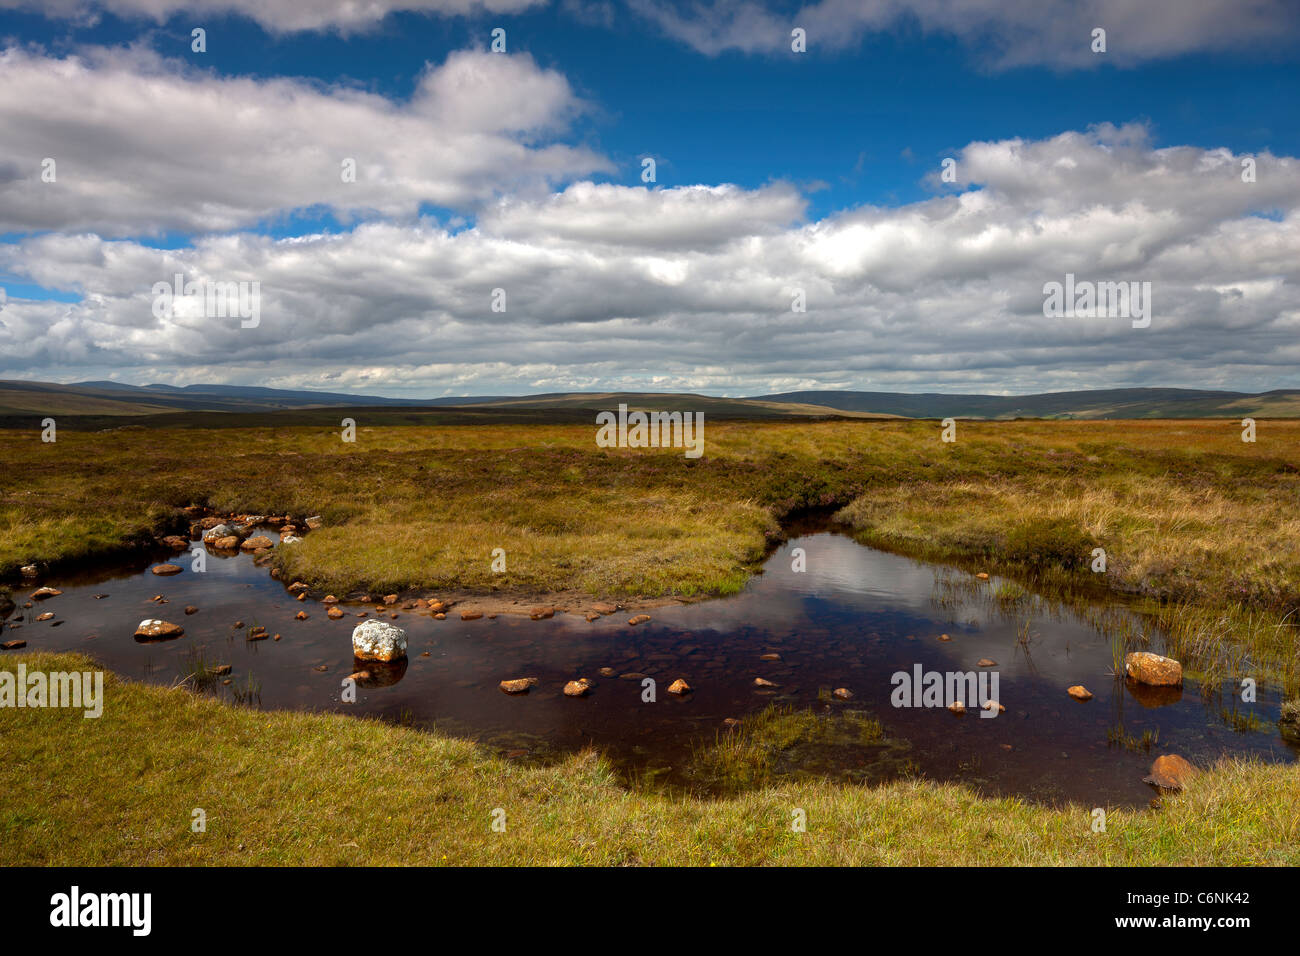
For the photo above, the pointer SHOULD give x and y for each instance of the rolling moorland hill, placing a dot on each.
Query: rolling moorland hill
(105, 404)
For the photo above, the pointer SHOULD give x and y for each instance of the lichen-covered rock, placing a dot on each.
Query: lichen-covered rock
(579, 687)
(152, 629)
(520, 685)
(1147, 668)
(218, 531)
(378, 641)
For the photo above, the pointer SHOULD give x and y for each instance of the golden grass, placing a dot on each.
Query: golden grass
(292, 788)
(1186, 512)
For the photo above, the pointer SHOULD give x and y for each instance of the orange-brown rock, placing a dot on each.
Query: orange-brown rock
(1147, 668)
(166, 569)
(1079, 692)
(1170, 772)
(520, 685)
(679, 686)
(638, 619)
(334, 613)
(578, 688)
(155, 630)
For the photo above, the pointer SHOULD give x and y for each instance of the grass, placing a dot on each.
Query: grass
(1198, 524)
(295, 788)
(781, 742)
(1184, 509)
(1201, 531)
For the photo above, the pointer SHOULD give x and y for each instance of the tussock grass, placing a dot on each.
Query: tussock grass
(781, 742)
(1189, 516)
(294, 788)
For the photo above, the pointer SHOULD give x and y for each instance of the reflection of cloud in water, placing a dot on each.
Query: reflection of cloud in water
(838, 569)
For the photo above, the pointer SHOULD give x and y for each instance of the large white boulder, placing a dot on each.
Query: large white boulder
(378, 641)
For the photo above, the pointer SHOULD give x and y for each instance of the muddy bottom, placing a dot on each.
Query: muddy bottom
(856, 618)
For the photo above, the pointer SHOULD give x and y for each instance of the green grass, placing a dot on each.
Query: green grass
(782, 743)
(1203, 527)
(293, 788)
(1200, 529)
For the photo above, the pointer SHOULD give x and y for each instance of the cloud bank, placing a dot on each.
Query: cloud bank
(612, 286)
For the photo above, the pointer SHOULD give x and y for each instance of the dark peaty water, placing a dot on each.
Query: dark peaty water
(852, 619)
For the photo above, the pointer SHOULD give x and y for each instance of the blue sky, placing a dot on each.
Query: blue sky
(863, 125)
(850, 124)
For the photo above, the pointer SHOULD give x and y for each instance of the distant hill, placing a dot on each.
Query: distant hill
(116, 399)
(104, 402)
(1100, 403)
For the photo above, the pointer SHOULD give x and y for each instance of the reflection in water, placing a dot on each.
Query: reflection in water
(853, 619)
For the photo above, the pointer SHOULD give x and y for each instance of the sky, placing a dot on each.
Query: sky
(411, 212)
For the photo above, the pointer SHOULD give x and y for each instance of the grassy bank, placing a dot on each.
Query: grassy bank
(1188, 515)
(288, 788)
(1184, 509)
